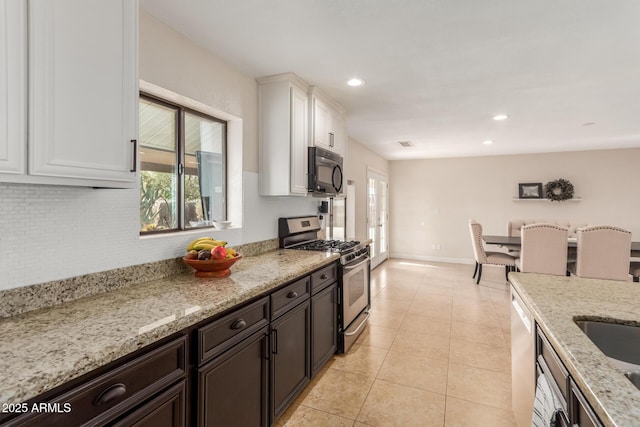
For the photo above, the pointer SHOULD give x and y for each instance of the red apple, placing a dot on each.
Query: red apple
(219, 252)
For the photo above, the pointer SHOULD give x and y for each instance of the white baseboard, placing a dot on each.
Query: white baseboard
(431, 258)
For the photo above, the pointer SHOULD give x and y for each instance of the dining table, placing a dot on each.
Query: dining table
(514, 242)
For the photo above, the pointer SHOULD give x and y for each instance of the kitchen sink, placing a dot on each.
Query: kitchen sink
(620, 343)
(634, 377)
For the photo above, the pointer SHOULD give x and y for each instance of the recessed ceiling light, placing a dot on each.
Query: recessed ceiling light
(355, 82)
(487, 142)
(499, 117)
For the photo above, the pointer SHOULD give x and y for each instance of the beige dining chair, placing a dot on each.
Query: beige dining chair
(543, 249)
(483, 257)
(634, 270)
(603, 253)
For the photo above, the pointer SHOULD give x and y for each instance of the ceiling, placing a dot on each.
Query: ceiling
(567, 72)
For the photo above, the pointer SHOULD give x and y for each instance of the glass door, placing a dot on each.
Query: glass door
(378, 216)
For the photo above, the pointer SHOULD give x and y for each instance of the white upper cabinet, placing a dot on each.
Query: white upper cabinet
(82, 93)
(327, 125)
(13, 86)
(283, 135)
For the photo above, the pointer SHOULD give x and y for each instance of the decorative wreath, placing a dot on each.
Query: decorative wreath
(558, 190)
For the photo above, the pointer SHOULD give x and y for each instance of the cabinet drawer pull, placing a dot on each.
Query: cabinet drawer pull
(292, 294)
(324, 276)
(238, 324)
(111, 393)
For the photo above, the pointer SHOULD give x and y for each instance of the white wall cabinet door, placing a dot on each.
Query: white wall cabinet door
(299, 132)
(13, 86)
(328, 129)
(339, 134)
(83, 89)
(321, 119)
(283, 114)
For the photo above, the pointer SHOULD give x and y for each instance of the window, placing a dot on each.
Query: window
(182, 167)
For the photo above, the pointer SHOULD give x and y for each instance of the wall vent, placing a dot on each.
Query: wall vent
(406, 143)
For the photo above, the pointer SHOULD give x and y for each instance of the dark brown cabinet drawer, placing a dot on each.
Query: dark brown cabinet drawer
(582, 413)
(110, 395)
(554, 365)
(166, 410)
(289, 296)
(323, 277)
(223, 333)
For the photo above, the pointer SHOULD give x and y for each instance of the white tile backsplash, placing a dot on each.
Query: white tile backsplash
(54, 232)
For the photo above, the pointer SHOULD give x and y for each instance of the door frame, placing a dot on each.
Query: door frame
(380, 256)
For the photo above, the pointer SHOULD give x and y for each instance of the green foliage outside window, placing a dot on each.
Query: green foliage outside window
(158, 186)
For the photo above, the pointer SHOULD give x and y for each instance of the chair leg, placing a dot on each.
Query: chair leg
(475, 271)
(636, 278)
(479, 273)
(506, 272)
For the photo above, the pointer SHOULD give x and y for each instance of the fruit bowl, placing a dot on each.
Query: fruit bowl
(212, 267)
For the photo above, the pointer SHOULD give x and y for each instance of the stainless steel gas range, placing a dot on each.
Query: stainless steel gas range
(354, 296)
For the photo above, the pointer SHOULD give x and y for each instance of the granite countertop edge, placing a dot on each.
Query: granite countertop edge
(556, 302)
(27, 371)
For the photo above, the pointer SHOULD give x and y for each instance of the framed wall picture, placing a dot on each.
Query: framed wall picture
(530, 190)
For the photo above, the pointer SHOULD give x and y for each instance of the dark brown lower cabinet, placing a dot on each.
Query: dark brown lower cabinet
(582, 413)
(166, 410)
(129, 386)
(246, 367)
(233, 388)
(324, 326)
(575, 405)
(290, 358)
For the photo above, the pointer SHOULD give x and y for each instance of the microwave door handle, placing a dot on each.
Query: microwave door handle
(333, 183)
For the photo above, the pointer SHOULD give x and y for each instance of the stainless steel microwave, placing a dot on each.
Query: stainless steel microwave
(325, 172)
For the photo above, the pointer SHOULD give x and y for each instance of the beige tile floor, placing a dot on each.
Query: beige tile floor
(435, 353)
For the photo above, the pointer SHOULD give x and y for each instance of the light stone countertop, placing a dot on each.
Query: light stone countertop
(43, 349)
(555, 303)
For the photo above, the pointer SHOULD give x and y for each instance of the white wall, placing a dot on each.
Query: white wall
(52, 232)
(431, 201)
(171, 61)
(358, 160)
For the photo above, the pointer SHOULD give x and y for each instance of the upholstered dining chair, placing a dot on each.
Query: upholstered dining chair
(603, 252)
(634, 270)
(543, 249)
(483, 257)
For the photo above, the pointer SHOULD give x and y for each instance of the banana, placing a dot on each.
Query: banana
(204, 243)
(231, 252)
(196, 241)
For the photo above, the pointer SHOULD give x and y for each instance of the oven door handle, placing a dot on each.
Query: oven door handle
(348, 334)
(351, 267)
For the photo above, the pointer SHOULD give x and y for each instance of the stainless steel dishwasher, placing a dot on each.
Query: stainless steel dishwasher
(523, 362)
